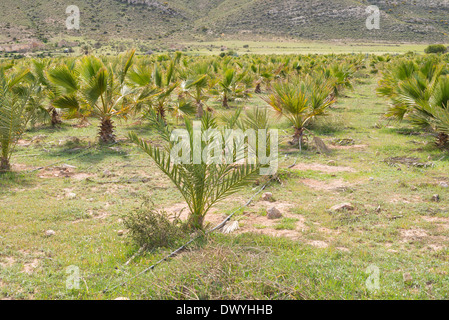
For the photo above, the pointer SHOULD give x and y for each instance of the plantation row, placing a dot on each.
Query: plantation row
(166, 88)
(173, 87)
(176, 86)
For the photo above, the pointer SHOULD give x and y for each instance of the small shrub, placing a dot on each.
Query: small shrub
(436, 48)
(153, 229)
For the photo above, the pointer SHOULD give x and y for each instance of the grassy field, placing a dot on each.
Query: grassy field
(302, 47)
(84, 190)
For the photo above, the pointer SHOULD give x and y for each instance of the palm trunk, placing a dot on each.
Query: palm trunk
(161, 112)
(196, 222)
(4, 164)
(200, 109)
(55, 118)
(225, 102)
(442, 140)
(298, 137)
(107, 131)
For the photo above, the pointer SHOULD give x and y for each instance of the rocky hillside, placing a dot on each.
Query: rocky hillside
(407, 20)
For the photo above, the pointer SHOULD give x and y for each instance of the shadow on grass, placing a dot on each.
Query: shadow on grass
(49, 129)
(89, 154)
(14, 179)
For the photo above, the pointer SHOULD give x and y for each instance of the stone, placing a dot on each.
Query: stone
(107, 173)
(407, 277)
(444, 185)
(71, 195)
(371, 179)
(342, 206)
(50, 233)
(120, 233)
(230, 227)
(121, 298)
(267, 196)
(274, 213)
(436, 198)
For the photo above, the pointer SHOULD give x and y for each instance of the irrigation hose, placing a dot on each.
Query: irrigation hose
(174, 253)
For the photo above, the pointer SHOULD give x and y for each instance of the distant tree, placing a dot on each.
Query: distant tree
(436, 48)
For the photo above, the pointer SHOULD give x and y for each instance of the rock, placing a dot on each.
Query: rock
(331, 163)
(267, 196)
(120, 233)
(121, 298)
(71, 195)
(230, 227)
(321, 146)
(413, 188)
(371, 179)
(67, 166)
(274, 213)
(50, 233)
(407, 277)
(342, 206)
(107, 173)
(444, 185)
(436, 198)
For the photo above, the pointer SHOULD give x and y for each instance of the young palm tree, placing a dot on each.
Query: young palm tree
(40, 103)
(431, 113)
(230, 87)
(196, 87)
(301, 102)
(94, 88)
(202, 184)
(15, 93)
(156, 84)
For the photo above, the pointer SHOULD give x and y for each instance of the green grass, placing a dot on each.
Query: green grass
(301, 47)
(244, 265)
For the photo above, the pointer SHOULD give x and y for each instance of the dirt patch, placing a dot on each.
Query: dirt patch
(22, 167)
(435, 219)
(252, 220)
(182, 211)
(7, 262)
(63, 172)
(29, 267)
(403, 199)
(355, 146)
(413, 234)
(23, 143)
(322, 168)
(324, 185)
(260, 224)
(318, 243)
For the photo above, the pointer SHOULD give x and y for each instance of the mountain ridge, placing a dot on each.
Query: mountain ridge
(407, 21)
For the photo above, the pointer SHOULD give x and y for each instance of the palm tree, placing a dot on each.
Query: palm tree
(15, 93)
(230, 87)
(301, 102)
(156, 85)
(431, 113)
(40, 103)
(202, 184)
(96, 89)
(196, 87)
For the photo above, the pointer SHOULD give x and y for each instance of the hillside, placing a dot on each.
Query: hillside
(42, 20)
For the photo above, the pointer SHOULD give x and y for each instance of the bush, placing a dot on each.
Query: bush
(153, 229)
(436, 48)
